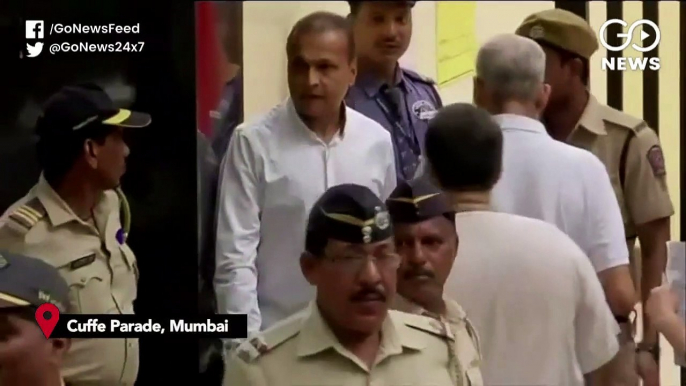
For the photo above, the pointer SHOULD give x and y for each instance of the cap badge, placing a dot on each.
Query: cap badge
(536, 32)
(367, 234)
(382, 220)
(3, 262)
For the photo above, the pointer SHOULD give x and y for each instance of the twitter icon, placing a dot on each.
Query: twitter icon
(34, 50)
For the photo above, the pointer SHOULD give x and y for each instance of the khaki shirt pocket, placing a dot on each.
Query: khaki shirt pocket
(89, 286)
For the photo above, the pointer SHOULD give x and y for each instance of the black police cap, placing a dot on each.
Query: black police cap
(80, 107)
(27, 281)
(350, 213)
(416, 201)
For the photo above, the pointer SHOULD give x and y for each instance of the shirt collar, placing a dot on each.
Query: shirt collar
(295, 118)
(57, 209)
(316, 336)
(372, 85)
(520, 122)
(590, 119)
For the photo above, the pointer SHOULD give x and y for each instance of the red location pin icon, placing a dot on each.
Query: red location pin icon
(47, 322)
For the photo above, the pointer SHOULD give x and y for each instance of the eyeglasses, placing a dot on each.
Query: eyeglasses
(352, 262)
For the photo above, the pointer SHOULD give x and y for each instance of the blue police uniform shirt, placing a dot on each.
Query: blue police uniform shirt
(228, 115)
(403, 109)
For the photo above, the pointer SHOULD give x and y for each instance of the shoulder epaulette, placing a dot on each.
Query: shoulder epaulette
(418, 77)
(264, 342)
(25, 217)
(620, 118)
(424, 323)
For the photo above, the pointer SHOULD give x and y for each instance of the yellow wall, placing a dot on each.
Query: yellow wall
(266, 25)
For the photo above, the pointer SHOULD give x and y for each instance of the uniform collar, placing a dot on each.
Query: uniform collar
(453, 312)
(57, 209)
(590, 119)
(372, 85)
(520, 123)
(298, 122)
(401, 303)
(316, 336)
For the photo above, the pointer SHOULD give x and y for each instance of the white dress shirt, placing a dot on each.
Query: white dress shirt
(558, 183)
(534, 299)
(274, 171)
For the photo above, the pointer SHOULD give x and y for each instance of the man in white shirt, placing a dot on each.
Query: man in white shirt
(550, 180)
(526, 286)
(277, 166)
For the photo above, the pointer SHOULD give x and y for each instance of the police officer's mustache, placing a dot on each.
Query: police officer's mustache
(369, 294)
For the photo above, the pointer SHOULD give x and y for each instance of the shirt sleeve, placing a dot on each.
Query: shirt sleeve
(595, 327)
(645, 185)
(606, 243)
(238, 232)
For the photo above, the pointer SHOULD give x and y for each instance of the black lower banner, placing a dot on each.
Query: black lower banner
(133, 326)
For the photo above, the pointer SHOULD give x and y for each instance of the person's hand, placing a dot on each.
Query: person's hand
(662, 304)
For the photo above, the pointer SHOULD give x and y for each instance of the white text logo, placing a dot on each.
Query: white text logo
(624, 63)
(35, 29)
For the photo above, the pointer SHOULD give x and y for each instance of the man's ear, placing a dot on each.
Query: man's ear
(308, 266)
(91, 152)
(543, 97)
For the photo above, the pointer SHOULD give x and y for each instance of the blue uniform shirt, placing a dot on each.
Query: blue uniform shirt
(404, 110)
(228, 116)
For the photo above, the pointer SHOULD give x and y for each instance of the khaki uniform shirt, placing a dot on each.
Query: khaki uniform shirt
(101, 273)
(643, 197)
(467, 351)
(303, 351)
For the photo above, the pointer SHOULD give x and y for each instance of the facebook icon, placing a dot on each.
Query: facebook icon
(34, 29)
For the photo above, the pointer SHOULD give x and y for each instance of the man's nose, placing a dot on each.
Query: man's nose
(391, 29)
(313, 77)
(417, 254)
(369, 272)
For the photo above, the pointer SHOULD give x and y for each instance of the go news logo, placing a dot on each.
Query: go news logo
(629, 63)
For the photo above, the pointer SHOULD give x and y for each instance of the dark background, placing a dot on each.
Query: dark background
(161, 178)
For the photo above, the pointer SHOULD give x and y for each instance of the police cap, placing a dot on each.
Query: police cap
(27, 281)
(416, 201)
(75, 109)
(349, 213)
(561, 29)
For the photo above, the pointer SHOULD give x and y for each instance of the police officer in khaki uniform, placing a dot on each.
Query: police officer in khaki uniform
(426, 239)
(626, 145)
(348, 335)
(76, 219)
(26, 357)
